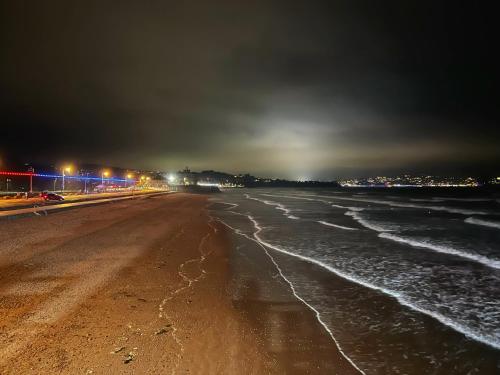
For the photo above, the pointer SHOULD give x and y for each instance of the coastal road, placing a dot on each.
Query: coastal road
(42, 208)
(15, 203)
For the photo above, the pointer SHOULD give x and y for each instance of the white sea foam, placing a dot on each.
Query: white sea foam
(424, 200)
(485, 223)
(294, 197)
(426, 244)
(231, 205)
(378, 228)
(336, 226)
(357, 209)
(316, 200)
(461, 211)
(467, 331)
(278, 206)
(441, 199)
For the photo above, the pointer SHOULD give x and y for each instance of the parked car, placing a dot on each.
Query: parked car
(51, 196)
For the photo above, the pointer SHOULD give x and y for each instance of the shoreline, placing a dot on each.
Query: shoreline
(168, 291)
(378, 331)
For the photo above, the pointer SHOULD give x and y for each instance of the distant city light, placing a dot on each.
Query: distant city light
(208, 184)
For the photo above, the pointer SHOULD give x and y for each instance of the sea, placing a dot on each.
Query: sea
(412, 281)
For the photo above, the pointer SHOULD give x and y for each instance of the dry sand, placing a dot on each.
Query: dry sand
(146, 286)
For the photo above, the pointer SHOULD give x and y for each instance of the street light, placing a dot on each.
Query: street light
(128, 177)
(65, 170)
(104, 174)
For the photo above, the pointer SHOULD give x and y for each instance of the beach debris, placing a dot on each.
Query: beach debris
(142, 299)
(117, 350)
(129, 357)
(163, 330)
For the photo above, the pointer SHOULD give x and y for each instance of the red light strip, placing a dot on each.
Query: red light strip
(4, 173)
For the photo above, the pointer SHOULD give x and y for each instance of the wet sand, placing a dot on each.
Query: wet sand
(152, 285)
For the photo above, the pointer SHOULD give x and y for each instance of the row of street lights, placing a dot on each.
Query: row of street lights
(104, 175)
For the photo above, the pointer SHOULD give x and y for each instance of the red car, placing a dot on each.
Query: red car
(51, 197)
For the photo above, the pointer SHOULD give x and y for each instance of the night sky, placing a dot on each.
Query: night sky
(298, 90)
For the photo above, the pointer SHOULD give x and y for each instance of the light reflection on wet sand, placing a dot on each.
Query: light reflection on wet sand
(288, 329)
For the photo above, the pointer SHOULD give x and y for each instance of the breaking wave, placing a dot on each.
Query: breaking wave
(376, 227)
(453, 210)
(484, 223)
(493, 263)
(278, 206)
(336, 226)
(457, 326)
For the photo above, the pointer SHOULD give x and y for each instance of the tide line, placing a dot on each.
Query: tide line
(292, 288)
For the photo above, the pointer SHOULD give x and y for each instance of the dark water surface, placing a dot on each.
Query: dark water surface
(407, 281)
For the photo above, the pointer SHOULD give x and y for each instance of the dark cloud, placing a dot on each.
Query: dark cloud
(291, 89)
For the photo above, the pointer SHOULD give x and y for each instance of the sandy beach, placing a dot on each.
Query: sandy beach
(152, 285)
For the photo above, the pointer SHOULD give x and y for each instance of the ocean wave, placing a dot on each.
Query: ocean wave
(295, 197)
(377, 228)
(493, 263)
(316, 200)
(276, 205)
(425, 200)
(441, 199)
(336, 226)
(231, 205)
(492, 341)
(356, 209)
(409, 205)
(485, 223)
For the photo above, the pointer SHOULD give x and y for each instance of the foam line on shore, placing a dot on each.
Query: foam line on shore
(442, 249)
(336, 225)
(292, 288)
(484, 223)
(466, 331)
